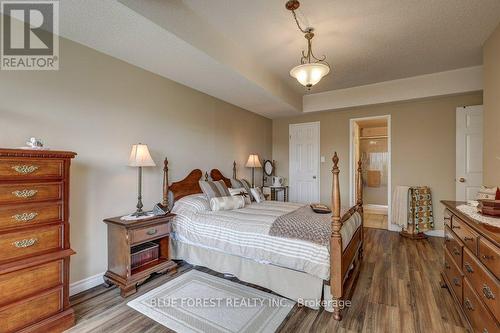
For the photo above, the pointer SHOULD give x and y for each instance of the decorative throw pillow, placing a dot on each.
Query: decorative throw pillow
(488, 193)
(241, 192)
(257, 194)
(238, 183)
(227, 203)
(215, 189)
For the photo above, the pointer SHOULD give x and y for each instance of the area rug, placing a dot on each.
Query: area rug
(199, 302)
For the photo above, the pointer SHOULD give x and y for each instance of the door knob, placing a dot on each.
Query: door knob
(461, 179)
(314, 177)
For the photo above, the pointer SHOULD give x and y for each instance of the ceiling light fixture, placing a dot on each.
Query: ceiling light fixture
(311, 69)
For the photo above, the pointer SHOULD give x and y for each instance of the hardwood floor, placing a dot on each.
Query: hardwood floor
(398, 291)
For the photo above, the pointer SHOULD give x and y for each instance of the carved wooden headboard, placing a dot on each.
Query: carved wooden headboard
(187, 186)
(216, 175)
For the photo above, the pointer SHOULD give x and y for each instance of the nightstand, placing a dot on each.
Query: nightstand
(123, 238)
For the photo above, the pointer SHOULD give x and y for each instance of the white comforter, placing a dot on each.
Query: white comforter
(245, 232)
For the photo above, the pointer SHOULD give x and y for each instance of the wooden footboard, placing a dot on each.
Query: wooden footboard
(344, 264)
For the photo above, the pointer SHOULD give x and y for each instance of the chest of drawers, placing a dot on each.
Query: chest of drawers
(34, 241)
(471, 268)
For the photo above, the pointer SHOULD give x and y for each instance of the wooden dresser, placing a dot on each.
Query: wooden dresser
(472, 268)
(34, 241)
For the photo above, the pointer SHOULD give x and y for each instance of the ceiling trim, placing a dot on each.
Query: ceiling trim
(452, 82)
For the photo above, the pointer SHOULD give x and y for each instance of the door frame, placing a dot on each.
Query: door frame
(353, 164)
(290, 126)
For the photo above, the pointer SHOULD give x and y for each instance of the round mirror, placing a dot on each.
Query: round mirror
(268, 168)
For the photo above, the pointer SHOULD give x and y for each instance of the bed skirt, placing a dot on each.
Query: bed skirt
(301, 287)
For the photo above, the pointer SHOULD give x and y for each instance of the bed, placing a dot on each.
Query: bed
(239, 242)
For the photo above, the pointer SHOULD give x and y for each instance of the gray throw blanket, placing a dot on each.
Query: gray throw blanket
(303, 224)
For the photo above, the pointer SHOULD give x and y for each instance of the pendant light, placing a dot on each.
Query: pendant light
(311, 69)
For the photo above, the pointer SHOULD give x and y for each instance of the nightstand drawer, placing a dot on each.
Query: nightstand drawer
(30, 192)
(148, 233)
(31, 214)
(30, 242)
(14, 169)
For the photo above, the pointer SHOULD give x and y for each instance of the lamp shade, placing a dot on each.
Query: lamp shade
(140, 157)
(309, 74)
(253, 161)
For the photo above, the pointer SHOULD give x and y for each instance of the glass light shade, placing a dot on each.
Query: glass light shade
(140, 157)
(253, 161)
(309, 74)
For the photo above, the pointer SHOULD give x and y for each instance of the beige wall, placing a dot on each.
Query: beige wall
(98, 107)
(491, 63)
(423, 144)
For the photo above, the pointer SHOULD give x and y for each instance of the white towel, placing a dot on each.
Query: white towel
(400, 206)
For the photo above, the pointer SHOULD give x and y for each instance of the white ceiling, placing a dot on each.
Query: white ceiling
(241, 51)
(365, 41)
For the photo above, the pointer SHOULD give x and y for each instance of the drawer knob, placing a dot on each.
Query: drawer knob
(468, 305)
(455, 227)
(25, 193)
(152, 232)
(468, 239)
(468, 267)
(487, 257)
(25, 169)
(446, 265)
(25, 243)
(485, 330)
(24, 217)
(456, 252)
(456, 282)
(487, 292)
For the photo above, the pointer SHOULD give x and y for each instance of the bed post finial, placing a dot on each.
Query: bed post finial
(359, 184)
(234, 169)
(165, 183)
(336, 241)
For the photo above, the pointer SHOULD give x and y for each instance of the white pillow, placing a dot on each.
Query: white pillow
(193, 203)
(227, 203)
(241, 192)
(257, 194)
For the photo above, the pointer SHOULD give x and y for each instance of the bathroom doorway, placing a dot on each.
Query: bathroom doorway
(371, 143)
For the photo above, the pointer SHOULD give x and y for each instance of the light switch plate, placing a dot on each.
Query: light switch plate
(322, 159)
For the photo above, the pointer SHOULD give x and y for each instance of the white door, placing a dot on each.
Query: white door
(304, 162)
(469, 172)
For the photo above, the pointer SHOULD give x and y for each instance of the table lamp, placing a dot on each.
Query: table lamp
(140, 157)
(253, 162)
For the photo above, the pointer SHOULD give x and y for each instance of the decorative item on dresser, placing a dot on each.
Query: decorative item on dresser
(126, 239)
(472, 268)
(34, 240)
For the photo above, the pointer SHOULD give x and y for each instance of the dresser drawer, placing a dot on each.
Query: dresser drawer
(30, 214)
(468, 236)
(22, 193)
(30, 242)
(145, 234)
(489, 255)
(447, 218)
(479, 317)
(20, 314)
(453, 274)
(14, 169)
(453, 245)
(485, 285)
(17, 285)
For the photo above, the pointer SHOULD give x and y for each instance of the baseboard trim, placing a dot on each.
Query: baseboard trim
(85, 284)
(435, 233)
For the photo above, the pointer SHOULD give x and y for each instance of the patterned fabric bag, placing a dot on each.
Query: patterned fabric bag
(420, 212)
